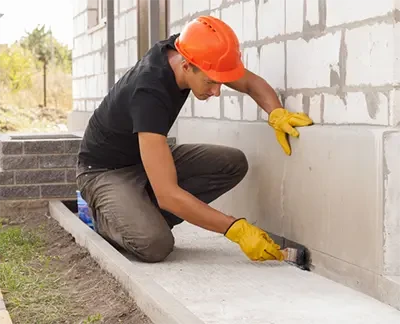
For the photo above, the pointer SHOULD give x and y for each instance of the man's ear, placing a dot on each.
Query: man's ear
(185, 66)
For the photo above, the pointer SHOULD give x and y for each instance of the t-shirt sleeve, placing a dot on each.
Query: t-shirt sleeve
(149, 112)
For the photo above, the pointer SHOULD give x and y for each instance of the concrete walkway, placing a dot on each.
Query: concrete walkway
(208, 280)
(4, 315)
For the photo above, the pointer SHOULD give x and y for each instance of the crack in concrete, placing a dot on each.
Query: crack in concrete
(322, 108)
(257, 3)
(373, 101)
(306, 104)
(342, 67)
(322, 14)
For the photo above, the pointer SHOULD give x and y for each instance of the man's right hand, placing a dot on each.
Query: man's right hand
(253, 241)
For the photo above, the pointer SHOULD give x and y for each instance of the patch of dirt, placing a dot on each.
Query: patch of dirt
(89, 289)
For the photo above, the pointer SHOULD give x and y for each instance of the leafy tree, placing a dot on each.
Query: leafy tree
(47, 50)
(16, 67)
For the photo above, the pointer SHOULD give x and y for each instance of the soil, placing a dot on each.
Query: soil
(90, 289)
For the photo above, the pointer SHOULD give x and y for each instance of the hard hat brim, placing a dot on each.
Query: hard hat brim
(227, 76)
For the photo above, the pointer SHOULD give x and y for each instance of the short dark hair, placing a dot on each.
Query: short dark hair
(194, 67)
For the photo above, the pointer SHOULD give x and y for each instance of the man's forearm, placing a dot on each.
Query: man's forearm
(186, 206)
(262, 93)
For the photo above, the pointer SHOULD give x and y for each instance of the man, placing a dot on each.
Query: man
(137, 185)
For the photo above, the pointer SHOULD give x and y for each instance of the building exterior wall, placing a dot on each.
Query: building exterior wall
(332, 59)
(90, 53)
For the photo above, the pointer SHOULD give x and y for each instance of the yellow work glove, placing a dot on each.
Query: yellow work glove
(253, 241)
(283, 122)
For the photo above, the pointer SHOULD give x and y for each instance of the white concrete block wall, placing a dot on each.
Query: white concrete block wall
(370, 55)
(343, 50)
(90, 50)
(344, 11)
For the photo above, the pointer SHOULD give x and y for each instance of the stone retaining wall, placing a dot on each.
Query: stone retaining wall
(38, 168)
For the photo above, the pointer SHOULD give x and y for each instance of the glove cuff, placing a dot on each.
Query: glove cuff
(227, 230)
(235, 231)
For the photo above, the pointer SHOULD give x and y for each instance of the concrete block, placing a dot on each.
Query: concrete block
(397, 52)
(337, 198)
(80, 24)
(19, 162)
(90, 105)
(343, 11)
(249, 21)
(370, 55)
(357, 108)
(120, 28)
(6, 178)
(294, 103)
(175, 30)
(233, 16)
(77, 120)
(272, 64)
(132, 52)
(72, 146)
(251, 59)
(92, 18)
(315, 108)
(42, 147)
(131, 24)
(103, 84)
(79, 6)
(97, 40)
(318, 57)
(215, 3)
(271, 18)
(17, 192)
(294, 16)
(57, 161)
(11, 148)
(312, 12)
(232, 108)
(394, 112)
(186, 110)
(264, 115)
(58, 191)
(92, 4)
(79, 105)
(207, 108)
(216, 13)
(250, 109)
(391, 222)
(125, 5)
(175, 10)
(39, 176)
(121, 56)
(70, 176)
(191, 7)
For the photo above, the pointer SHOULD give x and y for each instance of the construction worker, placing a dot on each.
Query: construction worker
(138, 186)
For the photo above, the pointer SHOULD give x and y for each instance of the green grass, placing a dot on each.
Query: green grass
(32, 293)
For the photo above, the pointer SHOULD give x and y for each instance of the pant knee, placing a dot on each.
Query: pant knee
(154, 248)
(241, 163)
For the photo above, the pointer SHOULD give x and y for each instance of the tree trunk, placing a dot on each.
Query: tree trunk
(44, 84)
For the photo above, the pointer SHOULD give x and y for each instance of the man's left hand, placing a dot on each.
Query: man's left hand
(284, 122)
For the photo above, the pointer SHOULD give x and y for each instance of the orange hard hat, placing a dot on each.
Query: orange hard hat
(212, 46)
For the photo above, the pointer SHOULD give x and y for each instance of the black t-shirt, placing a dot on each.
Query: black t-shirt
(145, 99)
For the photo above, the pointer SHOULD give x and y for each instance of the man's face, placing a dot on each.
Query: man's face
(201, 85)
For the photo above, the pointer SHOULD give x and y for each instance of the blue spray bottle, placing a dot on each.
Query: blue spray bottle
(83, 210)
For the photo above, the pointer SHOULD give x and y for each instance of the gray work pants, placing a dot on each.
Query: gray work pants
(124, 206)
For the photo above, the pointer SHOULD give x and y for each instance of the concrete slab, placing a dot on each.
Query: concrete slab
(208, 280)
(4, 314)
